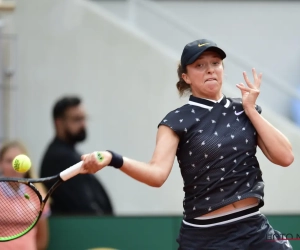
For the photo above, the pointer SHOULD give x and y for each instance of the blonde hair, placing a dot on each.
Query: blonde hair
(31, 173)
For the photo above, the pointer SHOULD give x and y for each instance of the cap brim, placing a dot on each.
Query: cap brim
(211, 48)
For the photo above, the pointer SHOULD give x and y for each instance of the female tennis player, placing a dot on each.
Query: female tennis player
(214, 138)
(37, 238)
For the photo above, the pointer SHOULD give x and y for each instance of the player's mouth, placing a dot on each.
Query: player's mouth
(210, 79)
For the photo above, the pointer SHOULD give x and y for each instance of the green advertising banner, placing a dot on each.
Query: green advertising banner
(136, 233)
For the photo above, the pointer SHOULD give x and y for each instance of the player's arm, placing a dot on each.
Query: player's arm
(275, 146)
(158, 169)
(272, 142)
(153, 173)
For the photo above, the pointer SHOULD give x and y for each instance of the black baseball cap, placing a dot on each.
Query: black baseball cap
(193, 50)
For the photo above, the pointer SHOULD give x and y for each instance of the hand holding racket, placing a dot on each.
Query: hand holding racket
(21, 203)
(92, 164)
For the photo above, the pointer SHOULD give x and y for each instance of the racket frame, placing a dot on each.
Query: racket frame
(30, 184)
(60, 178)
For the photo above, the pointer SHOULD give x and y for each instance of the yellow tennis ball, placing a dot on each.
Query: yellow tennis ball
(21, 163)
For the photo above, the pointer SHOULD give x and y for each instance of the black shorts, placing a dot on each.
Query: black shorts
(252, 233)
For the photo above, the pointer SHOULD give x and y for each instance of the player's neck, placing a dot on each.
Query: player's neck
(213, 98)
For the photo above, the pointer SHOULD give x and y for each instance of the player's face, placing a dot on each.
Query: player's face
(75, 124)
(6, 162)
(205, 76)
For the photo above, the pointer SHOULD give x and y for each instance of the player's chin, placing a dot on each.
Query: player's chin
(213, 89)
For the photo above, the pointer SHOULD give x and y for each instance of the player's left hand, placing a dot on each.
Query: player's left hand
(251, 91)
(95, 161)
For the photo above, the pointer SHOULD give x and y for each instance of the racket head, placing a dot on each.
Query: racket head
(21, 206)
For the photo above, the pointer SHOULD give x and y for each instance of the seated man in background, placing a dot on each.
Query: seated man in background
(82, 194)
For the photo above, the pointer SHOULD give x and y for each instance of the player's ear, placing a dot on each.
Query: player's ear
(186, 78)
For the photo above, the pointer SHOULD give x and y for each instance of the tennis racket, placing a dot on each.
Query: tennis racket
(21, 203)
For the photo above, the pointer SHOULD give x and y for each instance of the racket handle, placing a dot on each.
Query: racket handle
(71, 171)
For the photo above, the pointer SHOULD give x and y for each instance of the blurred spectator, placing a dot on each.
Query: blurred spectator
(82, 194)
(36, 238)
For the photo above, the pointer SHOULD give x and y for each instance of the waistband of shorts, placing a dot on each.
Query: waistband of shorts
(223, 219)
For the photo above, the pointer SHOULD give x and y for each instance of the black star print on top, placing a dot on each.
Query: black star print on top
(216, 154)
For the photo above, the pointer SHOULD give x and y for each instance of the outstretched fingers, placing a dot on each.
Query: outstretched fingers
(257, 79)
(243, 88)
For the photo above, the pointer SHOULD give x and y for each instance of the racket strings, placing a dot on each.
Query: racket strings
(20, 207)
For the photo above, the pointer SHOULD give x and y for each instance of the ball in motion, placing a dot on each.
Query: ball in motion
(21, 163)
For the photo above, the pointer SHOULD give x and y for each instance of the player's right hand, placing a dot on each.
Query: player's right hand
(95, 161)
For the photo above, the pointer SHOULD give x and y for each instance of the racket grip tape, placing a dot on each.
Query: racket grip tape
(71, 171)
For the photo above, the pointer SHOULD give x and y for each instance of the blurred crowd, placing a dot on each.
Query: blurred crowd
(81, 195)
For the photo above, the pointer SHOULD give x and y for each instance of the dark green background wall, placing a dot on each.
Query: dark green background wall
(135, 233)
